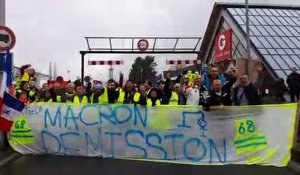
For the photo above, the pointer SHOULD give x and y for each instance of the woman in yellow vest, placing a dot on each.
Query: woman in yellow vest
(129, 95)
(80, 97)
(153, 99)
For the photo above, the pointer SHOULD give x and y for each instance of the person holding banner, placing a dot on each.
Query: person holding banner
(70, 92)
(128, 95)
(153, 99)
(220, 94)
(80, 97)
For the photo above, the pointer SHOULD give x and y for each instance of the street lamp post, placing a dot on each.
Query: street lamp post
(247, 37)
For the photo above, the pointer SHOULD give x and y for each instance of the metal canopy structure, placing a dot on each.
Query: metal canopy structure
(130, 45)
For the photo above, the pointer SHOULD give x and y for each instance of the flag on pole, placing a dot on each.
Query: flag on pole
(8, 103)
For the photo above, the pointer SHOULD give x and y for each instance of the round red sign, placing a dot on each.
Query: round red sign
(143, 45)
(7, 38)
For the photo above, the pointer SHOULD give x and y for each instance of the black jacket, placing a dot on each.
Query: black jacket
(165, 94)
(224, 99)
(250, 93)
(293, 80)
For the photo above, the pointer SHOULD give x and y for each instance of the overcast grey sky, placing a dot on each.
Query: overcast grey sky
(54, 30)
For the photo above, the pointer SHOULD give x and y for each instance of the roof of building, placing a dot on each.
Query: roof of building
(274, 33)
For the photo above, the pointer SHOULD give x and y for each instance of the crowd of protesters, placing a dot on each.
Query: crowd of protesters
(209, 88)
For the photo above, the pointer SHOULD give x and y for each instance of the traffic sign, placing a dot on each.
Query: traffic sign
(143, 45)
(7, 38)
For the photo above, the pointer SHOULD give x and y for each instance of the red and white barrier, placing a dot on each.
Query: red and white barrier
(179, 62)
(109, 62)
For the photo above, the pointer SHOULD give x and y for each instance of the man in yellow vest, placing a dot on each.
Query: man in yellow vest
(112, 91)
(58, 93)
(80, 97)
(128, 95)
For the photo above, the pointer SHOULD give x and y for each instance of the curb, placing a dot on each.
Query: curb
(9, 158)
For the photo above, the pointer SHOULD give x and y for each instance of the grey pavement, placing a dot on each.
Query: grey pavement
(59, 165)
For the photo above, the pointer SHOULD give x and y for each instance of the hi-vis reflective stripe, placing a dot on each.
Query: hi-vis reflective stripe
(251, 143)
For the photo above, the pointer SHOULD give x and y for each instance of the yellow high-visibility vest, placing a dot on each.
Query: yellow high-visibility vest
(77, 100)
(136, 96)
(103, 98)
(174, 99)
(149, 102)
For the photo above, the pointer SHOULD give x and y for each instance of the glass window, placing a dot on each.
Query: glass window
(289, 51)
(272, 42)
(278, 31)
(281, 52)
(240, 11)
(295, 41)
(292, 30)
(281, 12)
(288, 42)
(263, 51)
(273, 11)
(281, 62)
(261, 20)
(290, 21)
(263, 31)
(287, 13)
(265, 43)
(285, 31)
(296, 59)
(232, 11)
(280, 42)
(283, 21)
(270, 30)
(254, 31)
(267, 12)
(280, 74)
(268, 20)
(256, 42)
(253, 12)
(244, 28)
(272, 51)
(296, 21)
(296, 51)
(288, 72)
(253, 21)
(239, 20)
(297, 30)
(260, 12)
(293, 13)
(275, 20)
(271, 61)
(288, 60)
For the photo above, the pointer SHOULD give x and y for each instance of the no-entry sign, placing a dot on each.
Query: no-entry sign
(7, 38)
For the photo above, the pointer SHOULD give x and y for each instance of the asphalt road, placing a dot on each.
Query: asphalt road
(56, 165)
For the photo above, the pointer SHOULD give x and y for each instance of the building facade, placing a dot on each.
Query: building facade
(274, 39)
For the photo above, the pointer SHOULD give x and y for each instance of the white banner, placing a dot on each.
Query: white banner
(229, 135)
